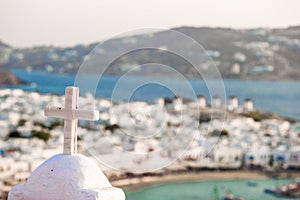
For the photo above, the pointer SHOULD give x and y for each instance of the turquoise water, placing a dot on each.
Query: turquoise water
(282, 97)
(208, 190)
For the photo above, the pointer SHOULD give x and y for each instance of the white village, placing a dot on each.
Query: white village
(39, 138)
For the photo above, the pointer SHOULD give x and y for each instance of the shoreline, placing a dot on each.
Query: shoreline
(140, 183)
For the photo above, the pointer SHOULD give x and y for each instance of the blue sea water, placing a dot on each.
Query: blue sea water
(282, 97)
(209, 190)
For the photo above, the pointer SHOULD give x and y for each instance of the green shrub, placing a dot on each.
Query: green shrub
(255, 115)
(204, 118)
(15, 134)
(112, 128)
(221, 133)
(41, 135)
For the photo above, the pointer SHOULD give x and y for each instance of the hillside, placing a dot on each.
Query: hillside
(7, 78)
(243, 54)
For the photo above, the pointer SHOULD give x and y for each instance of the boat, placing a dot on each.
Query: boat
(288, 190)
(251, 183)
(230, 196)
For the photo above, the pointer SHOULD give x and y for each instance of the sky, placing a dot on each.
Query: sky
(26, 23)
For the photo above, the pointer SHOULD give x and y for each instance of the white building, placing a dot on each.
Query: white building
(161, 102)
(201, 101)
(236, 69)
(216, 102)
(233, 103)
(294, 157)
(248, 105)
(240, 57)
(178, 104)
(228, 157)
(258, 157)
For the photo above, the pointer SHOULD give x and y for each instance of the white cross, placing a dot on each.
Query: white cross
(71, 114)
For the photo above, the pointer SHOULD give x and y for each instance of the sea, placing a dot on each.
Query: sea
(210, 190)
(281, 97)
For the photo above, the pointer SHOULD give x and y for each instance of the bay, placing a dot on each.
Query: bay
(209, 190)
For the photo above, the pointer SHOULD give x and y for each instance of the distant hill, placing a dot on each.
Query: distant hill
(243, 54)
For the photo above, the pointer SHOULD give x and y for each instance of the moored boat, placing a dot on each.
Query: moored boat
(289, 190)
